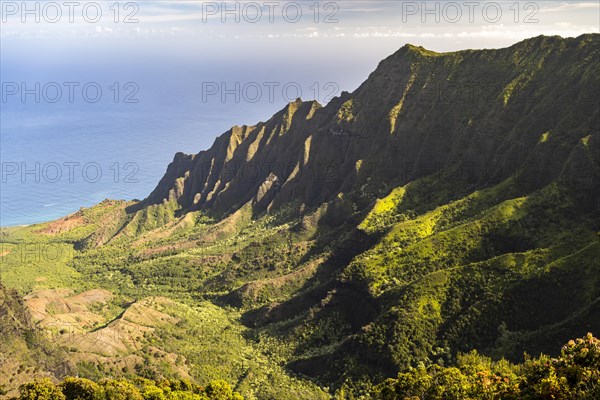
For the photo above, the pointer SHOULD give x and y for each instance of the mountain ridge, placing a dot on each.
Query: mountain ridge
(242, 160)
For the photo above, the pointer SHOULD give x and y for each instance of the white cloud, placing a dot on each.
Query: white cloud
(568, 6)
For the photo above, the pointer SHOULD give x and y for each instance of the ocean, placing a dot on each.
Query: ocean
(56, 158)
(78, 126)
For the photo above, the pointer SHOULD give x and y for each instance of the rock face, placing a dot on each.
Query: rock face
(479, 115)
(15, 318)
(248, 163)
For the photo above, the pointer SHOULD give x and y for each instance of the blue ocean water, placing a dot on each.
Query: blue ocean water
(56, 158)
(59, 156)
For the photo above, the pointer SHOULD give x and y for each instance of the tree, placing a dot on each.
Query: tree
(41, 389)
(81, 389)
(219, 390)
(153, 393)
(120, 390)
(448, 384)
(573, 374)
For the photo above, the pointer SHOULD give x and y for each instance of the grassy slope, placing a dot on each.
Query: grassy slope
(150, 335)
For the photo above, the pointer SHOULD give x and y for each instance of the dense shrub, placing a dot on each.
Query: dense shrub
(573, 375)
(40, 389)
(139, 389)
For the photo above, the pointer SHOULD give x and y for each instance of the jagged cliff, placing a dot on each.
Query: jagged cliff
(476, 117)
(246, 163)
(15, 318)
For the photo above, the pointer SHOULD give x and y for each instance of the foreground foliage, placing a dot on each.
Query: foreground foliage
(574, 374)
(139, 389)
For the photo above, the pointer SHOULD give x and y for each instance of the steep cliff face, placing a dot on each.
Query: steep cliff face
(15, 318)
(248, 163)
(476, 117)
(23, 350)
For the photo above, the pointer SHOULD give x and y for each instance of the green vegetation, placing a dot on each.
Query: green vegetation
(139, 389)
(38, 263)
(574, 374)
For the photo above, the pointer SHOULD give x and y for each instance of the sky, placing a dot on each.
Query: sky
(325, 42)
(349, 37)
(317, 37)
(448, 25)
